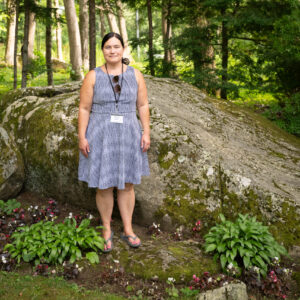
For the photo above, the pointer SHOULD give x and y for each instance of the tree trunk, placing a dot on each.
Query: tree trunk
(10, 34)
(150, 37)
(123, 30)
(113, 25)
(224, 57)
(167, 34)
(84, 31)
(92, 34)
(74, 39)
(16, 46)
(58, 33)
(49, 45)
(24, 50)
(102, 22)
(137, 21)
(31, 34)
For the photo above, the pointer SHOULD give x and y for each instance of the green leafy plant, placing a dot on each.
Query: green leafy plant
(37, 65)
(55, 243)
(172, 291)
(188, 292)
(7, 207)
(242, 244)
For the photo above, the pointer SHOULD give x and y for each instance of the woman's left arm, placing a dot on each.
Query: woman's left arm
(143, 109)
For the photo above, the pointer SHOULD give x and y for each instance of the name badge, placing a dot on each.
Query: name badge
(116, 119)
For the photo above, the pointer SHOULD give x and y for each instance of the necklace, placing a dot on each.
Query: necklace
(120, 86)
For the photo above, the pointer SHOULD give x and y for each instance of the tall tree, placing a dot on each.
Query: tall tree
(24, 50)
(74, 39)
(58, 31)
(92, 33)
(111, 18)
(49, 43)
(167, 35)
(31, 34)
(123, 29)
(150, 38)
(84, 31)
(10, 34)
(16, 45)
(102, 21)
(137, 22)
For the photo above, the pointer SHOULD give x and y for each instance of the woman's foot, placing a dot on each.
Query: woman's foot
(108, 244)
(131, 239)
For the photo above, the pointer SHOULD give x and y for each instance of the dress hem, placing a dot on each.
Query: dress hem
(106, 187)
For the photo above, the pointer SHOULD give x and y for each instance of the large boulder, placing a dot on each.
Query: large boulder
(12, 173)
(207, 156)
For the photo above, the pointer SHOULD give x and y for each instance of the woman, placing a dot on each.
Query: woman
(113, 146)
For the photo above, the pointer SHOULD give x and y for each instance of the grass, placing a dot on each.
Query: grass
(7, 77)
(15, 286)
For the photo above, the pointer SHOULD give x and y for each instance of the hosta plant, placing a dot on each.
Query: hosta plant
(243, 244)
(55, 243)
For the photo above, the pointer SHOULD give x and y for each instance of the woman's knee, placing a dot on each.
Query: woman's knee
(128, 187)
(105, 191)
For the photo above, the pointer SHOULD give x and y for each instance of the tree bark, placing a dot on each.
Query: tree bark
(123, 30)
(84, 31)
(49, 45)
(113, 25)
(150, 38)
(16, 46)
(58, 33)
(31, 34)
(10, 34)
(24, 50)
(137, 22)
(74, 39)
(224, 57)
(169, 54)
(92, 34)
(102, 22)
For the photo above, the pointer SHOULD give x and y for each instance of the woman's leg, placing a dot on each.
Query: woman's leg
(105, 204)
(126, 201)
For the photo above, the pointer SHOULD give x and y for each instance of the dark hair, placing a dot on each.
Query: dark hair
(109, 36)
(116, 35)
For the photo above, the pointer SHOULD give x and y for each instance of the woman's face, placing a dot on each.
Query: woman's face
(113, 50)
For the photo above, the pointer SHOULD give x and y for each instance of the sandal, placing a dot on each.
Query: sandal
(112, 245)
(126, 239)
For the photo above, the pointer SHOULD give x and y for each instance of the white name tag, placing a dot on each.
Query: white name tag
(116, 119)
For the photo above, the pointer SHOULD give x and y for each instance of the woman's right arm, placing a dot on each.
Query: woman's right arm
(85, 104)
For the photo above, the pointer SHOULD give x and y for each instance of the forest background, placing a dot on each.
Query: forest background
(244, 51)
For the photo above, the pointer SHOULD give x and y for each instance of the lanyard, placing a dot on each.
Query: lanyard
(117, 100)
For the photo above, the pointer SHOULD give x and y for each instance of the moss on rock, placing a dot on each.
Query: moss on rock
(165, 258)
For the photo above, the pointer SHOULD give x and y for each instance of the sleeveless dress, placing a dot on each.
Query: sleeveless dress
(115, 155)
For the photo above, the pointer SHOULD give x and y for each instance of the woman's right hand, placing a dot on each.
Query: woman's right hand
(84, 146)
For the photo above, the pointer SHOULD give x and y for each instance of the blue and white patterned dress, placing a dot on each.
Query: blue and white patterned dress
(115, 155)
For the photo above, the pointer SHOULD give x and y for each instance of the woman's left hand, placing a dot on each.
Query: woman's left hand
(145, 142)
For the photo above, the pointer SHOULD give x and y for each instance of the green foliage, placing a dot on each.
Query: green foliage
(55, 242)
(286, 114)
(37, 66)
(7, 207)
(243, 244)
(188, 292)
